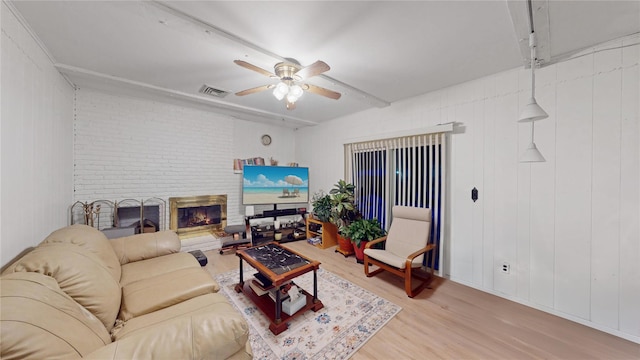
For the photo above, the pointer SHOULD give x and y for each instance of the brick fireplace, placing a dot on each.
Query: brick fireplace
(191, 216)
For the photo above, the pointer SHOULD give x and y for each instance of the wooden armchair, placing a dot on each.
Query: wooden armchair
(406, 243)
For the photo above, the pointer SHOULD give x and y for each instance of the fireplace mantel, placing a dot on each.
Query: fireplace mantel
(197, 215)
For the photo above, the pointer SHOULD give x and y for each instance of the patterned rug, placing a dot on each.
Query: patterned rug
(350, 317)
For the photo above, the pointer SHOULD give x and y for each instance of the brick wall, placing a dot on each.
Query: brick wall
(126, 147)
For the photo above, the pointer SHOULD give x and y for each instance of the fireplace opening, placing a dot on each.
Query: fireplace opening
(196, 215)
(199, 216)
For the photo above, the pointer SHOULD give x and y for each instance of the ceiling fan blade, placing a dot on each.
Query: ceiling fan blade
(253, 90)
(314, 69)
(322, 91)
(262, 71)
(290, 105)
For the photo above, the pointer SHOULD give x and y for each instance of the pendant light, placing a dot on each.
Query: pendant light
(532, 111)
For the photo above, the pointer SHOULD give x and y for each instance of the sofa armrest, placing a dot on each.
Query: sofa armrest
(201, 336)
(145, 246)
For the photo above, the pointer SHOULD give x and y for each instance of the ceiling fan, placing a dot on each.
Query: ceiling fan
(291, 75)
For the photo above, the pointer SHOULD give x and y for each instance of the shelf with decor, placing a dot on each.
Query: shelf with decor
(261, 234)
(238, 164)
(277, 230)
(326, 231)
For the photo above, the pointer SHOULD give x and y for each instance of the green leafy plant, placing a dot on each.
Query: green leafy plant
(321, 203)
(364, 230)
(343, 187)
(343, 207)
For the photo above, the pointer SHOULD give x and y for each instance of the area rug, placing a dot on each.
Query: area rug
(351, 316)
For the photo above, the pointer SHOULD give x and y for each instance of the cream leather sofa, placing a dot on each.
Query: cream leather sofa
(80, 295)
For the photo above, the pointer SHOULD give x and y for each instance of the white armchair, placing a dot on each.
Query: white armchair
(406, 243)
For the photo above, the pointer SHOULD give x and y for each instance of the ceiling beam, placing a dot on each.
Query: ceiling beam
(519, 11)
(223, 107)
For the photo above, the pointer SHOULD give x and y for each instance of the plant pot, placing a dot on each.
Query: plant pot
(359, 250)
(345, 247)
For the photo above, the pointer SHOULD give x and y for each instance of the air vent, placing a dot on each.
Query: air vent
(208, 90)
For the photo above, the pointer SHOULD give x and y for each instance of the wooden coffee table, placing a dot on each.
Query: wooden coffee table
(280, 265)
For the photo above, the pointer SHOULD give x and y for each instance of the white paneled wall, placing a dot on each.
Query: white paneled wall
(2, 260)
(36, 142)
(570, 227)
(137, 148)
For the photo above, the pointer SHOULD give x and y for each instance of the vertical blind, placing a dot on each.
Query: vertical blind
(408, 170)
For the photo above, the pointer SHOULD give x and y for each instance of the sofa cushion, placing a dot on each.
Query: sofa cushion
(215, 332)
(79, 273)
(159, 292)
(39, 321)
(91, 240)
(204, 304)
(145, 246)
(145, 269)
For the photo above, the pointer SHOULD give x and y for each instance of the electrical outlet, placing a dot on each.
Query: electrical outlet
(506, 268)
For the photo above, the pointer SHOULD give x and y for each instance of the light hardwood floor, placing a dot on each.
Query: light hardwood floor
(453, 321)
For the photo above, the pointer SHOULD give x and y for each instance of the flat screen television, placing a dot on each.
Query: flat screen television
(262, 185)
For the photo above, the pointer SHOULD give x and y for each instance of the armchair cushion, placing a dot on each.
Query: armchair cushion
(409, 231)
(406, 245)
(392, 259)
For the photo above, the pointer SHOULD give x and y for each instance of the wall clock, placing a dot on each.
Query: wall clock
(266, 140)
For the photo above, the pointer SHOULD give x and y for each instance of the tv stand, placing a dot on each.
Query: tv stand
(267, 233)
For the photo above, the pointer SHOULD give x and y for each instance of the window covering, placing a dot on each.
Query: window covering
(406, 170)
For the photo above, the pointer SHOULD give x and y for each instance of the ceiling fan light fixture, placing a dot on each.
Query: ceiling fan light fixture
(296, 91)
(290, 73)
(280, 91)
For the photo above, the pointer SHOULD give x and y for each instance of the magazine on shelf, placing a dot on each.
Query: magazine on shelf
(262, 279)
(259, 290)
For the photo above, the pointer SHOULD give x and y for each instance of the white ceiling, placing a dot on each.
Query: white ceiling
(380, 52)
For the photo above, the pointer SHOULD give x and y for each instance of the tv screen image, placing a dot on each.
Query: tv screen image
(275, 185)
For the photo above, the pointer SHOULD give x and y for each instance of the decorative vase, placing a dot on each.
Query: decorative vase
(359, 250)
(345, 247)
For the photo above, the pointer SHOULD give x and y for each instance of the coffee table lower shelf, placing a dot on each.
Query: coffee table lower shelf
(268, 307)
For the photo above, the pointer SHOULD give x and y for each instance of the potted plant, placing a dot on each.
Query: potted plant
(343, 211)
(362, 231)
(321, 203)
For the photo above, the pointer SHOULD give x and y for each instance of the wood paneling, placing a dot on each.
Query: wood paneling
(487, 193)
(506, 187)
(573, 197)
(629, 263)
(477, 214)
(543, 213)
(36, 145)
(605, 213)
(463, 236)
